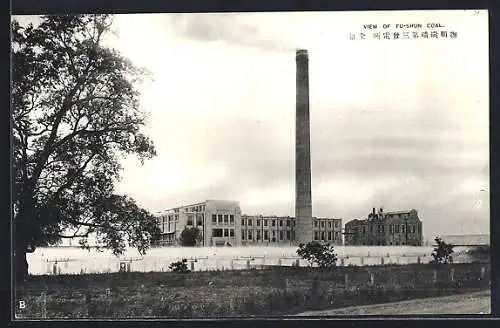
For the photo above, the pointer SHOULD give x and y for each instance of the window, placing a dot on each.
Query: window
(402, 228)
(293, 223)
(214, 218)
(293, 235)
(265, 223)
(329, 225)
(287, 223)
(231, 219)
(231, 232)
(364, 229)
(242, 222)
(322, 224)
(250, 235)
(371, 229)
(281, 223)
(216, 232)
(337, 235)
(242, 234)
(315, 223)
(397, 228)
(266, 235)
(219, 218)
(226, 232)
(258, 234)
(329, 235)
(274, 223)
(258, 222)
(323, 235)
(190, 219)
(199, 219)
(390, 229)
(250, 221)
(418, 228)
(226, 219)
(281, 235)
(316, 235)
(288, 235)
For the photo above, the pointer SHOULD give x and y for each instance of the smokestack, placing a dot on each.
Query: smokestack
(303, 199)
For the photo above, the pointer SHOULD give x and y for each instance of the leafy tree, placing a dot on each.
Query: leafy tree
(179, 266)
(442, 252)
(75, 111)
(317, 253)
(190, 236)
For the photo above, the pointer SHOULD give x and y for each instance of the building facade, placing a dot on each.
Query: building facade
(270, 230)
(218, 221)
(385, 229)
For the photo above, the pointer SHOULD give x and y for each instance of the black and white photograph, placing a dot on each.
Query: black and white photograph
(174, 166)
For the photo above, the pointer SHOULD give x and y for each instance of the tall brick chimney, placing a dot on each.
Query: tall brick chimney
(303, 198)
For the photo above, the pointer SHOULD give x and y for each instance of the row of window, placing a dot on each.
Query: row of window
(274, 236)
(222, 232)
(323, 224)
(220, 219)
(199, 219)
(170, 218)
(265, 222)
(197, 208)
(393, 228)
(331, 235)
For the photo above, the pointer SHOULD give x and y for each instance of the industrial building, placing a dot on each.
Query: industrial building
(269, 230)
(221, 224)
(385, 228)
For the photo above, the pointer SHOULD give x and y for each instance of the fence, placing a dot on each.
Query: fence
(204, 263)
(244, 292)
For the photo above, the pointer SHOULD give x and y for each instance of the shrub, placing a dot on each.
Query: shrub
(189, 237)
(179, 266)
(442, 252)
(317, 253)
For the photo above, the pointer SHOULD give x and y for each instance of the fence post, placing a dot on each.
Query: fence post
(44, 305)
(248, 264)
(362, 261)
(452, 273)
(192, 266)
(418, 260)
(434, 277)
(483, 270)
(372, 278)
(232, 264)
(279, 262)
(346, 281)
(382, 261)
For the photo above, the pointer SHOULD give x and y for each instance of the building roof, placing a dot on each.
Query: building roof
(477, 239)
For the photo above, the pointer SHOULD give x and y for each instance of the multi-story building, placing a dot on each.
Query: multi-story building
(385, 228)
(217, 220)
(268, 230)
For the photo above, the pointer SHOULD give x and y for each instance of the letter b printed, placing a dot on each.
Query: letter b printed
(22, 304)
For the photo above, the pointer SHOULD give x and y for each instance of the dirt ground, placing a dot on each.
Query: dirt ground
(471, 303)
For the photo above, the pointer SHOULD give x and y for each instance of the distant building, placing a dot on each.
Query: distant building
(268, 230)
(217, 220)
(385, 228)
(466, 240)
(221, 224)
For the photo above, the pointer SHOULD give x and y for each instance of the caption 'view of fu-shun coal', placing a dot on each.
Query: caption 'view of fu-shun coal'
(154, 166)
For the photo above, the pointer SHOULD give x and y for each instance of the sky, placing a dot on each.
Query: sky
(397, 124)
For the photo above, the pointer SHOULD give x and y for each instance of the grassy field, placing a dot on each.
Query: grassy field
(272, 291)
